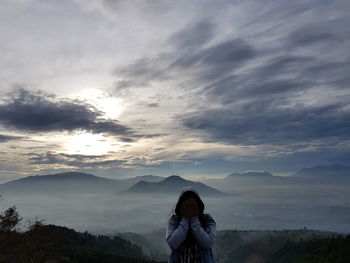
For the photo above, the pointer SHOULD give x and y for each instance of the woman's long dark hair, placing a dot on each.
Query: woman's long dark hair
(190, 239)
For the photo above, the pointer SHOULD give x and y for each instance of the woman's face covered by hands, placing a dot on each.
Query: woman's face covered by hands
(189, 208)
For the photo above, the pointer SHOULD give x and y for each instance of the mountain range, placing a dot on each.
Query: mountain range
(75, 182)
(63, 183)
(148, 178)
(320, 174)
(172, 184)
(250, 173)
(334, 170)
(323, 170)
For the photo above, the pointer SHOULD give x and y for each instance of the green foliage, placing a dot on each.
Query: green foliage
(242, 246)
(9, 219)
(152, 243)
(56, 244)
(291, 246)
(335, 249)
(43, 243)
(50, 243)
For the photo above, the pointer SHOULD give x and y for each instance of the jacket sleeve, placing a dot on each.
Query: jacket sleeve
(176, 234)
(204, 236)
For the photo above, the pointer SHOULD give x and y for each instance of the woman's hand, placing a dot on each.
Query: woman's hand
(189, 208)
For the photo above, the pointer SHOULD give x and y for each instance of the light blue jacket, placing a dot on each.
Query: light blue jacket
(178, 228)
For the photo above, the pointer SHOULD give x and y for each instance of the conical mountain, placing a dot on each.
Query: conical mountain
(173, 184)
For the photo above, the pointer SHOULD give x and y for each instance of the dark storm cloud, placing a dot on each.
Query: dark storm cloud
(190, 56)
(324, 32)
(142, 72)
(6, 138)
(216, 60)
(335, 73)
(73, 160)
(258, 81)
(38, 112)
(253, 111)
(193, 36)
(259, 123)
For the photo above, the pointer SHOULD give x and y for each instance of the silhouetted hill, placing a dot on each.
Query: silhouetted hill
(50, 243)
(336, 174)
(147, 178)
(172, 184)
(260, 246)
(248, 174)
(249, 179)
(327, 250)
(72, 182)
(152, 243)
(334, 170)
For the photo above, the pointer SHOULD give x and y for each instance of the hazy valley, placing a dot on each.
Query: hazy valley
(143, 204)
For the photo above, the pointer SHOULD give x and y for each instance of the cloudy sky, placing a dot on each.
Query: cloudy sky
(195, 88)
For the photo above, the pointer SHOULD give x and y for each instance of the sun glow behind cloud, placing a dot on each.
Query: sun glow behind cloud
(96, 144)
(89, 144)
(111, 106)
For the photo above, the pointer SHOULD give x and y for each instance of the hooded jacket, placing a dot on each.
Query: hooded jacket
(203, 230)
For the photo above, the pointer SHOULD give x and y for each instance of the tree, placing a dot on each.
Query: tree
(9, 219)
(35, 223)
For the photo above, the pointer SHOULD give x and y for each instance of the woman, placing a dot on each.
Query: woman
(190, 233)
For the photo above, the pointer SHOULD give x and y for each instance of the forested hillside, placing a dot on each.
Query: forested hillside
(335, 249)
(42, 243)
(260, 246)
(292, 246)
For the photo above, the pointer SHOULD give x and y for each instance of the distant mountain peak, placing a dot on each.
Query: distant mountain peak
(141, 182)
(148, 178)
(172, 184)
(58, 176)
(74, 182)
(251, 173)
(70, 175)
(144, 176)
(336, 169)
(175, 178)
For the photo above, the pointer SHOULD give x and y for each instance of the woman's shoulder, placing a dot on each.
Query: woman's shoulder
(208, 218)
(174, 218)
